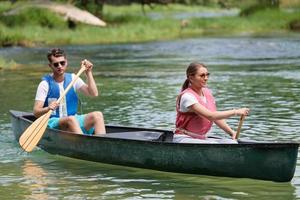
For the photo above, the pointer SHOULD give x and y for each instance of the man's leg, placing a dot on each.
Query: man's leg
(70, 124)
(96, 120)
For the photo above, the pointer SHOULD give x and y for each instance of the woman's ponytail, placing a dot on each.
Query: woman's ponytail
(191, 71)
(185, 85)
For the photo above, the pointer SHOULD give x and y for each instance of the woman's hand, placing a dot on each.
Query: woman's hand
(233, 135)
(242, 111)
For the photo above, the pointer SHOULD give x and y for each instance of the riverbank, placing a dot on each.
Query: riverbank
(127, 24)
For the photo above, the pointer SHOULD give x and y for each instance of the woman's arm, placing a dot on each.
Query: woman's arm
(222, 124)
(217, 115)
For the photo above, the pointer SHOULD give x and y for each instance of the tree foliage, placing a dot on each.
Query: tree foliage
(258, 5)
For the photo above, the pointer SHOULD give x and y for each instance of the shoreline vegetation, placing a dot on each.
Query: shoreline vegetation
(33, 26)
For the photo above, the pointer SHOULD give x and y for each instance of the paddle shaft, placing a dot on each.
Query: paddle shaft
(32, 135)
(239, 127)
(71, 84)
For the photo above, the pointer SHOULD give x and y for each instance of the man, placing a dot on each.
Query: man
(64, 115)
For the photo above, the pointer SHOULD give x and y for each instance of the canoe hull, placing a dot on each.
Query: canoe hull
(266, 161)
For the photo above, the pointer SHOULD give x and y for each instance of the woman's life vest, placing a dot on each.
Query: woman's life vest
(189, 122)
(54, 94)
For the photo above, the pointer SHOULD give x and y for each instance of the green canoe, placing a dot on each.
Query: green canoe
(154, 149)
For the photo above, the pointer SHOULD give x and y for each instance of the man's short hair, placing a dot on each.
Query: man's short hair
(56, 52)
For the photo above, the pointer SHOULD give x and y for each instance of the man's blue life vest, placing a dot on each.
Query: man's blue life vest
(53, 94)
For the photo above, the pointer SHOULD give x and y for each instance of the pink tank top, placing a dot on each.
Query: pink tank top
(197, 125)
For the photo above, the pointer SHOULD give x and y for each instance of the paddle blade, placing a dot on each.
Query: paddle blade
(32, 135)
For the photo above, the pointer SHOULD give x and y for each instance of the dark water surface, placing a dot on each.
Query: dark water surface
(139, 84)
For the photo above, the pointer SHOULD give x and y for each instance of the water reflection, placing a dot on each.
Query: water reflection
(68, 178)
(35, 180)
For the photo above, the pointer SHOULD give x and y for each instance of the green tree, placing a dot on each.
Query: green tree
(260, 5)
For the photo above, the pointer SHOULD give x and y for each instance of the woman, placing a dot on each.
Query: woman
(196, 110)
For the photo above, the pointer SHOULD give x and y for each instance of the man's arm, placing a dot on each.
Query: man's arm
(89, 89)
(39, 110)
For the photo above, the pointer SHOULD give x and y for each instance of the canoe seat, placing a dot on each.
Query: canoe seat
(137, 135)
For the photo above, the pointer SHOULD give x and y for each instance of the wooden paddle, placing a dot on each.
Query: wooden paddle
(32, 135)
(239, 127)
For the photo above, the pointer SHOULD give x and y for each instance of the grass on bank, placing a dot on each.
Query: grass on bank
(7, 64)
(127, 24)
(262, 23)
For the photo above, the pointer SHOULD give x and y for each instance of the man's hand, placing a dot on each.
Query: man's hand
(53, 105)
(88, 65)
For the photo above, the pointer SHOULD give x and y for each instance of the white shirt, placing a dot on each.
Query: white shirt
(188, 100)
(42, 92)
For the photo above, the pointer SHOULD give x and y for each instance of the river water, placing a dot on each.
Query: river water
(139, 84)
